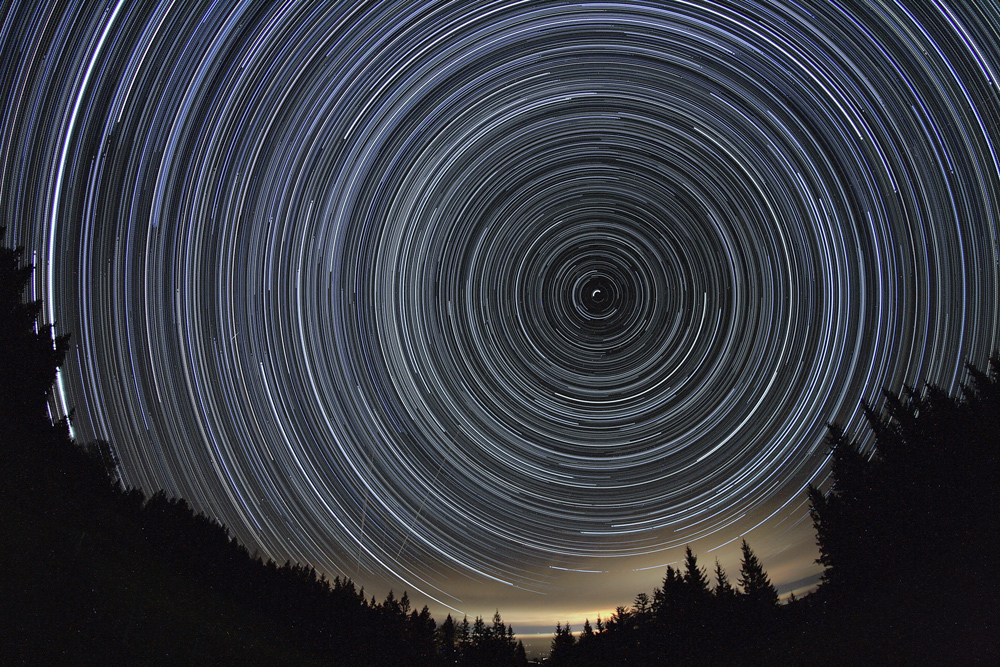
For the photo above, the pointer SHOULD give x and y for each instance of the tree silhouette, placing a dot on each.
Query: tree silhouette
(757, 589)
(32, 448)
(94, 572)
(907, 531)
(489, 645)
(29, 355)
(723, 589)
(907, 534)
(642, 606)
(563, 641)
(667, 598)
(447, 640)
(847, 530)
(694, 576)
(520, 656)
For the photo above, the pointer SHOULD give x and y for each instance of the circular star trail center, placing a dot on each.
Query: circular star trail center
(432, 291)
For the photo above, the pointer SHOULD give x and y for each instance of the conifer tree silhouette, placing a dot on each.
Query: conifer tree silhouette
(723, 589)
(694, 575)
(926, 492)
(756, 585)
(29, 354)
(98, 574)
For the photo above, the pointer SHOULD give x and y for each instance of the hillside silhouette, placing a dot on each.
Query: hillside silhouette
(94, 573)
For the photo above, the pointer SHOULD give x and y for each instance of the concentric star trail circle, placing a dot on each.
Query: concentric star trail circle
(423, 290)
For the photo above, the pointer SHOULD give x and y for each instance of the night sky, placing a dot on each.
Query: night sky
(502, 303)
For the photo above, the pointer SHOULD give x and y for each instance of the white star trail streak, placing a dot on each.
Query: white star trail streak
(487, 299)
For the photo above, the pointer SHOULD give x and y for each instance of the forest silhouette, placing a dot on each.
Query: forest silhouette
(94, 573)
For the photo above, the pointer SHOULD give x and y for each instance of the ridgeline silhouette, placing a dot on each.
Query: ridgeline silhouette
(93, 573)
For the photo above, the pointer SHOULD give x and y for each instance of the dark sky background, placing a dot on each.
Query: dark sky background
(502, 303)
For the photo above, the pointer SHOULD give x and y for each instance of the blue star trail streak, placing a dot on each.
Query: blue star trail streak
(459, 295)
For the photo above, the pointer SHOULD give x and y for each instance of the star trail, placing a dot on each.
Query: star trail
(492, 300)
